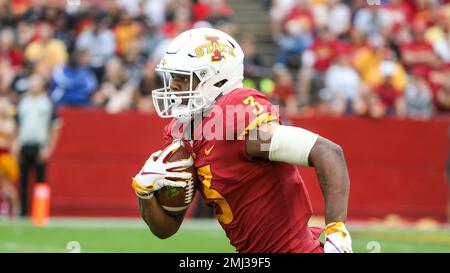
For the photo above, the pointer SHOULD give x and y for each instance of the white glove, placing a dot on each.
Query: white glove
(337, 239)
(158, 173)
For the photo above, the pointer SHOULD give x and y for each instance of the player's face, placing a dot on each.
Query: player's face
(181, 82)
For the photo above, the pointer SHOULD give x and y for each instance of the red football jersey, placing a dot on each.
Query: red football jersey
(263, 206)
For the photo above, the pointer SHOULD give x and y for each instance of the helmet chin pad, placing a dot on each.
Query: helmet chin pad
(176, 101)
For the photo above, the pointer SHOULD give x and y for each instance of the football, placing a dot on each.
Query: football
(176, 200)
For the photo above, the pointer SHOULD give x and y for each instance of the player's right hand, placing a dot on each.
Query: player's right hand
(337, 239)
(157, 174)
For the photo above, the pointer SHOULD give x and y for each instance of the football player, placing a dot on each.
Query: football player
(248, 170)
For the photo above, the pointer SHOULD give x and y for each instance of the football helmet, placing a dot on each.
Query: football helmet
(212, 56)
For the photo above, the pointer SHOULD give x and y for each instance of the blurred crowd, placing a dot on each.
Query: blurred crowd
(80, 53)
(368, 58)
(95, 53)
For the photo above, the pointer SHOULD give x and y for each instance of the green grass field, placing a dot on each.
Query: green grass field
(131, 235)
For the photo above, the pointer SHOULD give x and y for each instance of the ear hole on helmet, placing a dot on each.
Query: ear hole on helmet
(221, 83)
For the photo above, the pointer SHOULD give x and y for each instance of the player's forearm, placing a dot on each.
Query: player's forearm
(331, 170)
(160, 223)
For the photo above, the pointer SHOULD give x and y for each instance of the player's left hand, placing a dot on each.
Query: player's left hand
(337, 239)
(157, 173)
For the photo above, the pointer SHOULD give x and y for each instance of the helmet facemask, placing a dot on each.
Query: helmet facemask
(181, 104)
(177, 104)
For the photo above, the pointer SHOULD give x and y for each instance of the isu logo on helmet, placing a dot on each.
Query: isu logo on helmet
(215, 47)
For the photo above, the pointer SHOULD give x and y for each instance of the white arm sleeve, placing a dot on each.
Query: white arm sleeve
(291, 145)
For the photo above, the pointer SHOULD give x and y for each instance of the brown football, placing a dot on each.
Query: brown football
(176, 200)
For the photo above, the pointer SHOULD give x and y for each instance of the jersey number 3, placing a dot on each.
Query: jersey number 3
(224, 215)
(258, 107)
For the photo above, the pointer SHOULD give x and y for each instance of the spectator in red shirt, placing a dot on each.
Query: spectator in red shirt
(9, 51)
(315, 63)
(324, 49)
(11, 58)
(218, 10)
(200, 10)
(357, 40)
(423, 12)
(302, 11)
(297, 34)
(18, 7)
(181, 22)
(418, 54)
(390, 98)
(284, 92)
